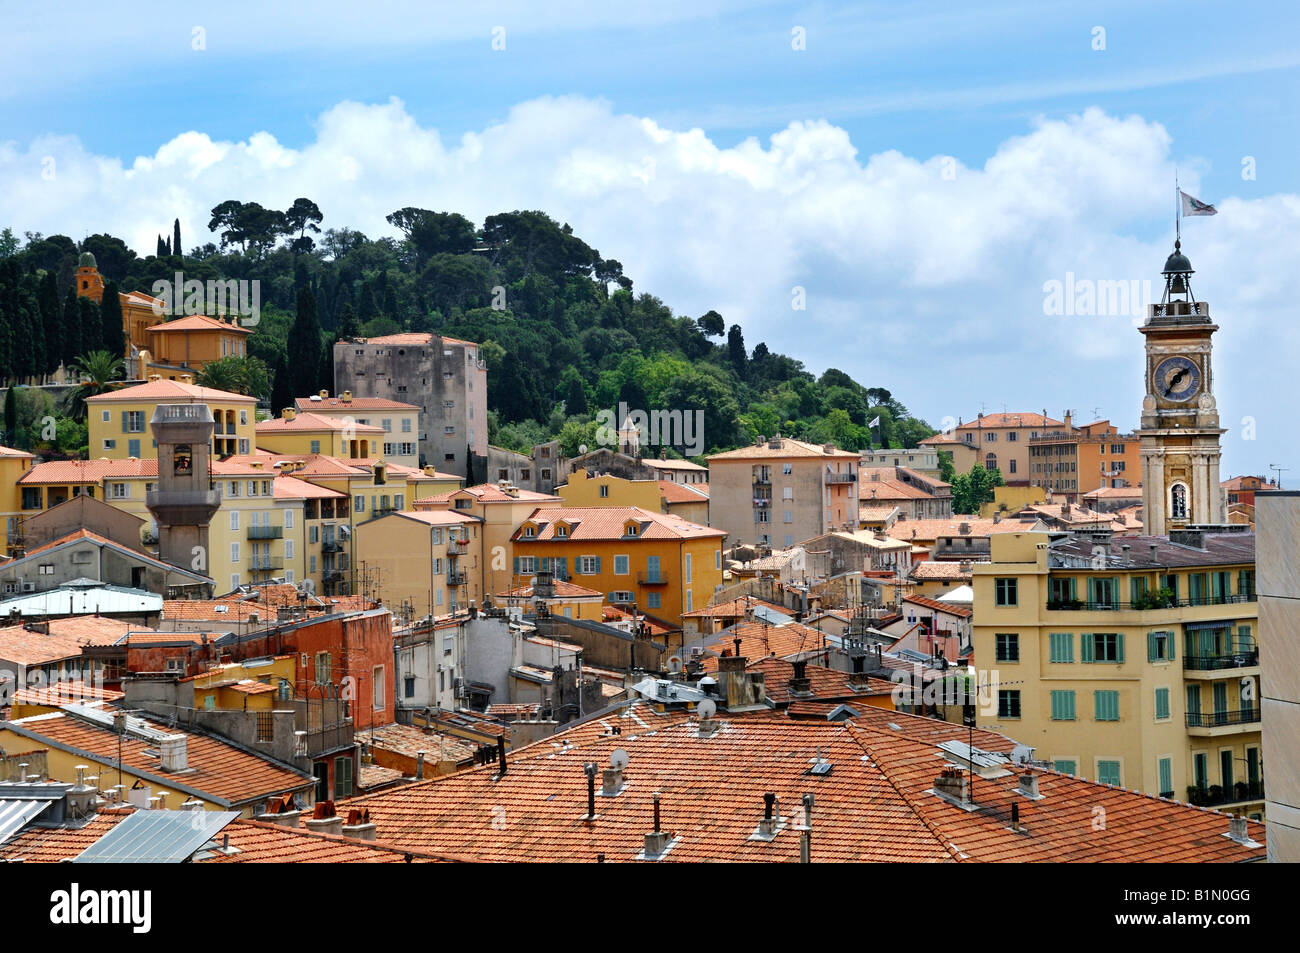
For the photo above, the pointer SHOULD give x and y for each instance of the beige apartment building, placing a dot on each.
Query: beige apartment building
(780, 491)
(1128, 660)
(996, 441)
(421, 562)
(398, 421)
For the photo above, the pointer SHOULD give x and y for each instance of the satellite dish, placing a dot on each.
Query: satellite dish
(582, 448)
(307, 587)
(674, 664)
(618, 759)
(707, 708)
(1021, 754)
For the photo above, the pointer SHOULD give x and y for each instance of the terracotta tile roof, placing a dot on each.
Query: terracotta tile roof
(87, 471)
(11, 452)
(409, 740)
(1234, 483)
(937, 606)
(732, 609)
(318, 404)
(888, 489)
(684, 492)
(759, 640)
(288, 488)
(652, 626)
(790, 448)
(939, 569)
(1114, 492)
(876, 514)
(65, 639)
(223, 611)
(408, 338)
(138, 639)
(253, 841)
(512, 711)
(63, 693)
(934, 529)
(563, 590)
(218, 771)
(198, 322)
(373, 776)
(588, 523)
(438, 517)
(826, 683)
(941, 438)
(486, 493)
(874, 805)
(666, 463)
(1021, 419)
(167, 391)
(313, 423)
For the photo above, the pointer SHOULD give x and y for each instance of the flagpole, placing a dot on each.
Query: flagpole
(1178, 210)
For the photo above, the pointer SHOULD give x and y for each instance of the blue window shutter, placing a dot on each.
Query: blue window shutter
(1169, 645)
(1119, 647)
(1086, 651)
(516, 572)
(1151, 646)
(597, 565)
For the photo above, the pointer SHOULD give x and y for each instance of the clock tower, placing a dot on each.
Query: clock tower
(1180, 420)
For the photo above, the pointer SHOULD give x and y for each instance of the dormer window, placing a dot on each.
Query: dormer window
(632, 529)
(561, 531)
(530, 531)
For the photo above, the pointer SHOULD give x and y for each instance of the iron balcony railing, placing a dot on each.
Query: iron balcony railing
(457, 579)
(265, 532)
(651, 579)
(457, 547)
(1244, 658)
(1084, 605)
(332, 546)
(1220, 719)
(266, 562)
(849, 477)
(1216, 794)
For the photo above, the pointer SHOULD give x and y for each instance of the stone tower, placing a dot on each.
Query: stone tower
(184, 502)
(90, 283)
(1180, 420)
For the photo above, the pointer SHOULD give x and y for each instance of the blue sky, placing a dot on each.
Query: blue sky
(581, 93)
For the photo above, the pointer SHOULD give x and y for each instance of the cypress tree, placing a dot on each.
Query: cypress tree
(304, 346)
(281, 387)
(162, 248)
(112, 335)
(92, 333)
(8, 318)
(11, 417)
(176, 238)
(348, 327)
(70, 332)
(51, 322)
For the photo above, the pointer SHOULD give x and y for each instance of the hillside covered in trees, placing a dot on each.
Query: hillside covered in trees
(563, 330)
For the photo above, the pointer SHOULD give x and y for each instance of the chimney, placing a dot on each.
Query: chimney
(187, 378)
(1015, 818)
(1153, 553)
(288, 413)
(501, 755)
(859, 680)
(192, 805)
(800, 683)
(324, 395)
(589, 769)
(1124, 549)
(419, 765)
(997, 517)
(771, 822)
(359, 825)
(1029, 785)
(656, 842)
(611, 781)
(171, 753)
(347, 397)
(963, 529)
(324, 820)
(953, 784)
(1238, 829)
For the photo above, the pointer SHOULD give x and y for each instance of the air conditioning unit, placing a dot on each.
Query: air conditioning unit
(29, 587)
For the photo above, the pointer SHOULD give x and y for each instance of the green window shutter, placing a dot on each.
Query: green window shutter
(562, 567)
(1063, 705)
(544, 564)
(1169, 643)
(1108, 772)
(1243, 638)
(1086, 649)
(1062, 647)
(1162, 707)
(1066, 766)
(1151, 646)
(1166, 775)
(516, 571)
(1119, 647)
(597, 565)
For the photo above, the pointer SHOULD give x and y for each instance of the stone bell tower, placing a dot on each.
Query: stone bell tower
(1180, 419)
(184, 502)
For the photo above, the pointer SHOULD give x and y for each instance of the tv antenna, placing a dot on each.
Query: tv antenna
(1279, 471)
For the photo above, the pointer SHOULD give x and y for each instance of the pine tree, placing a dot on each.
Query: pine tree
(304, 346)
(112, 334)
(348, 327)
(70, 332)
(176, 238)
(51, 322)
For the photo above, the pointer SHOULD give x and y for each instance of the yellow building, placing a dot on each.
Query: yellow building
(249, 686)
(13, 465)
(118, 422)
(187, 345)
(663, 564)
(1131, 661)
(421, 562)
(501, 508)
(605, 489)
(1012, 499)
(564, 598)
(312, 434)
(399, 422)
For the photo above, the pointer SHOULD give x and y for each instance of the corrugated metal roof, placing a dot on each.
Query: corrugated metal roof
(15, 814)
(78, 599)
(156, 837)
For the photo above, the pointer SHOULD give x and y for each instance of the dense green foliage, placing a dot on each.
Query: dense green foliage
(970, 490)
(562, 331)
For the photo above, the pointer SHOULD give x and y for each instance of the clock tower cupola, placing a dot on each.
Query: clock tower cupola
(1180, 419)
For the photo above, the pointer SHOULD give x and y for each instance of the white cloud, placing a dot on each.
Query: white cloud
(925, 283)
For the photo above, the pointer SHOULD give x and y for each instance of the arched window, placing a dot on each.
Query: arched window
(990, 461)
(1178, 502)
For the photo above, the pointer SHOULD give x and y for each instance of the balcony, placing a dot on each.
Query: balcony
(457, 547)
(265, 563)
(1246, 658)
(1081, 605)
(762, 501)
(457, 579)
(849, 477)
(762, 481)
(265, 532)
(1227, 722)
(1215, 794)
(332, 546)
(651, 579)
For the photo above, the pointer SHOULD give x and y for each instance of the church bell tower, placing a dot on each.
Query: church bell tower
(1180, 419)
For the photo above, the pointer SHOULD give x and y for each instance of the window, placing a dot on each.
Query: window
(587, 565)
(688, 568)
(234, 492)
(105, 416)
(133, 421)
(1005, 591)
(288, 519)
(1166, 771)
(288, 549)
(388, 425)
(1160, 646)
(315, 446)
(1063, 705)
(1066, 765)
(1178, 502)
(234, 552)
(322, 668)
(1062, 646)
(622, 595)
(1008, 703)
(119, 491)
(990, 437)
(787, 468)
(527, 564)
(358, 504)
(1105, 705)
(990, 461)
(1008, 647)
(1108, 773)
(1011, 464)
(604, 492)
(234, 519)
(653, 600)
(265, 726)
(1103, 647)
(342, 778)
(377, 687)
(1162, 704)
(110, 444)
(406, 425)
(621, 564)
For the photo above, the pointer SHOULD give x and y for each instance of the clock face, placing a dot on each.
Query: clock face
(1177, 379)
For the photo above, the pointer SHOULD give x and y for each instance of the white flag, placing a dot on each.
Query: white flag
(874, 423)
(1193, 206)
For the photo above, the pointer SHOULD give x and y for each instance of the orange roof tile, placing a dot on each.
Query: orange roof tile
(65, 639)
(789, 448)
(607, 523)
(197, 322)
(319, 404)
(826, 683)
(1013, 419)
(684, 492)
(732, 609)
(313, 423)
(486, 493)
(563, 590)
(288, 488)
(937, 606)
(165, 391)
(759, 639)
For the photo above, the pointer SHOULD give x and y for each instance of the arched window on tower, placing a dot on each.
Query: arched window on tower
(1178, 502)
